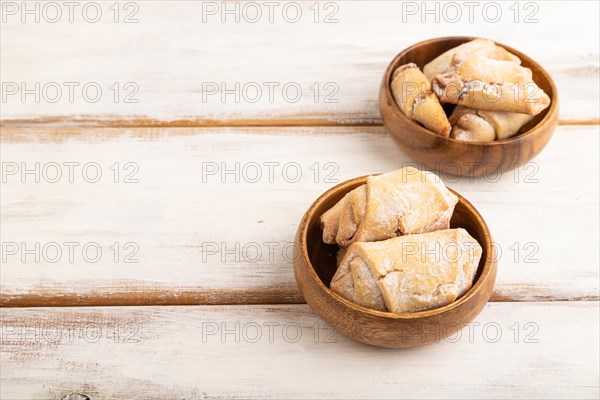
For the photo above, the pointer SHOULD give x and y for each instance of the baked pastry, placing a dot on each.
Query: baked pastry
(402, 202)
(487, 84)
(496, 95)
(485, 126)
(484, 47)
(409, 273)
(412, 92)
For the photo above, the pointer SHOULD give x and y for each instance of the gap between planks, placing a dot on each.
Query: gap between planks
(281, 295)
(144, 122)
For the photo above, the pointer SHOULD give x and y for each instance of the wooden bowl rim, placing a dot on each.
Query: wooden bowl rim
(351, 184)
(552, 110)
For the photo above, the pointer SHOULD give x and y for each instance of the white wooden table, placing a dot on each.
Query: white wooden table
(168, 276)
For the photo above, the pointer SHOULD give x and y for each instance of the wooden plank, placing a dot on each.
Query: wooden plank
(511, 350)
(188, 233)
(177, 74)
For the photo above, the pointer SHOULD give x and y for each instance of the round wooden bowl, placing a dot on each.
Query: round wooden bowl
(315, 265)
(457, 157)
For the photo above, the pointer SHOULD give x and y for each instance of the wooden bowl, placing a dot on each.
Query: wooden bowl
(315, 265)
(457, 157)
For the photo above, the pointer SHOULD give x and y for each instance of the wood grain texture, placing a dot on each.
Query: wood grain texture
(172, 67)
(533, 350)
(222, 241)
(315, 264)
